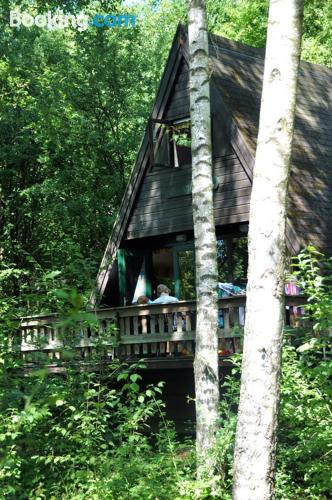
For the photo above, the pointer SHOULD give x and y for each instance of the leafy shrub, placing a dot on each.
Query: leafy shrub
(305, 431)
(72, 431)
(87, 435)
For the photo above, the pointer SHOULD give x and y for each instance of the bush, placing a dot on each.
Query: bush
(87, 435)
(84, 435)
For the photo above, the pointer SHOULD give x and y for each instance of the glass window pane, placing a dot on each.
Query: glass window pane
(240, 260)
(186, 274)
(181, 139)
(232, 256)
(224, 270)
(162, 262)
(161, 141)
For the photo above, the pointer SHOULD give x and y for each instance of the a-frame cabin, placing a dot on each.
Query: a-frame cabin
(152, 240)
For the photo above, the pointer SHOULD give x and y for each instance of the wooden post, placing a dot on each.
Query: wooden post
(122, 275)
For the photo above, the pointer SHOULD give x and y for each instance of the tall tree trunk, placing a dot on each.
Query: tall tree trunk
(206, 355)
(255, 447)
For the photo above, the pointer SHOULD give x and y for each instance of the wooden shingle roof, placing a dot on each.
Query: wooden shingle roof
(238, 75)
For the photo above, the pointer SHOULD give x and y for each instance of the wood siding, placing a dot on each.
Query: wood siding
(178, 104)
(161, 209)
(178, 108)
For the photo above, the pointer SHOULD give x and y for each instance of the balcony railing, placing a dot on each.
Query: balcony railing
(144, 331)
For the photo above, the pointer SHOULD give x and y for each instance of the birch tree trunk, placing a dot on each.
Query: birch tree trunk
(255, 447)
(206, 354)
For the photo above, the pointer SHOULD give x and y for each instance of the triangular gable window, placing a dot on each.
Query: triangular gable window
(170, 143)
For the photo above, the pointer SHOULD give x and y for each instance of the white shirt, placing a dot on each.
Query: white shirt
(165, 299)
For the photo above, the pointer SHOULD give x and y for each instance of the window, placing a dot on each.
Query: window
(180, 138)
(133, 275)
(162, 268)
(184, 271)
(232, 255)
(170, 143)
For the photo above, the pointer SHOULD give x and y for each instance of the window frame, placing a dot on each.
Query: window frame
(171, 145)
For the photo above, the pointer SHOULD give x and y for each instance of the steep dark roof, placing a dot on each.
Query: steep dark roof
(236, 85)
(238, 74)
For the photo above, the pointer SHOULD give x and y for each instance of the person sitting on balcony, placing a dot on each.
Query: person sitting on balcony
(164, 296)
(143, 299)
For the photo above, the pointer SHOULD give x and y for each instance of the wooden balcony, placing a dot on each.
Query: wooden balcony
(165, 332)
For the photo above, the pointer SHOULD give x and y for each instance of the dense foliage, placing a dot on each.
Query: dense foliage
(103, 434)
(73, 107)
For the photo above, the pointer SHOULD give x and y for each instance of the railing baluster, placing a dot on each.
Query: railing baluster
(226, 320)
(135, 328)
(169, 317)
(122, 327)
(139, 328)
(163, 346)
(170, 328)
(236, 319)
(153, 319)
(188, 321)
(161, 323)
(28, 336)
(135, 325)
(179, 322)
(154, 348)
(144, 321)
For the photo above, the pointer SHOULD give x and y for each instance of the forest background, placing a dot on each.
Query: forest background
(73, 109)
